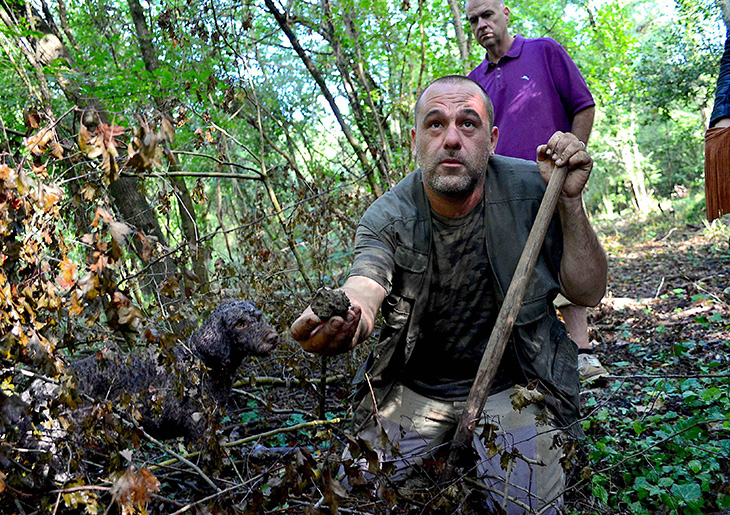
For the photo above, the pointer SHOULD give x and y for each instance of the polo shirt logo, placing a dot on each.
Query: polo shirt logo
(525, 77)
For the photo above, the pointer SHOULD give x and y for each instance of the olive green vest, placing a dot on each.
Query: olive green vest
(513, 190)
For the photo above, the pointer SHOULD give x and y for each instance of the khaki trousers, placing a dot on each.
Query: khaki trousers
(417, 426)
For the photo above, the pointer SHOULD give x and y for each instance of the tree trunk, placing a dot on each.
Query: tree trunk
(131, 204)
(186, 208)
(461, 37)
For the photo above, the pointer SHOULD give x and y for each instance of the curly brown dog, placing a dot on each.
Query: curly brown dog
(176, 394)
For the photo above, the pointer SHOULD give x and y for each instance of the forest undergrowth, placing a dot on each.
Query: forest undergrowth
(658, 428)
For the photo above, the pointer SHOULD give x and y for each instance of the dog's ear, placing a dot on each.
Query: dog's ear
(211, 342)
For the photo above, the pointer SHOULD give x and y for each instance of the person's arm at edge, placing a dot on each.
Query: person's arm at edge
(583, 123)
(340, 335)
(583, 267)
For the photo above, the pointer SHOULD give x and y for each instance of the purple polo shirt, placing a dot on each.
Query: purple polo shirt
(536, 89)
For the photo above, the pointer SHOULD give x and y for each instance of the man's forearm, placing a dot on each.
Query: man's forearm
(369, 295)
(583, 267)
(583, 123)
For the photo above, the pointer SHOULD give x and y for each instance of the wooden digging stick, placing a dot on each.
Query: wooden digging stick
(505, 320)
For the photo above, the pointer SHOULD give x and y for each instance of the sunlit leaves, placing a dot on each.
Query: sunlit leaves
(102, 143)
(77, 496)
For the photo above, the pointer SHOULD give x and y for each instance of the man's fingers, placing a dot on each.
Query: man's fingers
(568, 148)
(303, 326)
(332, 337)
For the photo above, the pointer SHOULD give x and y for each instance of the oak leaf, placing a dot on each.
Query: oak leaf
(37, 143)
(88, 191)
(167, 129)
(142, 150)
(57, 150)
(132, 491)
(104, 215)
(524, 396)
(5, 172)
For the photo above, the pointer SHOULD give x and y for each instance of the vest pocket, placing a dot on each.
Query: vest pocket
(530, 327)
(410, 268)
(396, 310)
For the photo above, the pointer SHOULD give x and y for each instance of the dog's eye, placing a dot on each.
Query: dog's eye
(241, 324)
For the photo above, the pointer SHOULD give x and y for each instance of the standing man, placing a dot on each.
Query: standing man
(536, 89)
(436, 254)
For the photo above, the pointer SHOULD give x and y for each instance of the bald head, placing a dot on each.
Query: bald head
(456, 81)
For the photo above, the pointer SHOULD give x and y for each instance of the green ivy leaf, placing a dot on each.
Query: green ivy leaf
(711, 394)
(723, 501)
(688, 492)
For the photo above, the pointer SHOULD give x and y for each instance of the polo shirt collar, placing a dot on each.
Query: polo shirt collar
(514, 50)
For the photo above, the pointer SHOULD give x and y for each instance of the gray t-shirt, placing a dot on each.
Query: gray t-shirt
(460, 313)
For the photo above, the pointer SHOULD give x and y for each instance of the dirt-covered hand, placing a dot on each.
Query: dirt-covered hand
(335, 336)
(563, 149)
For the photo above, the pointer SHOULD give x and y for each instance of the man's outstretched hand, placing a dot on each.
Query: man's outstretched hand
(335, 336)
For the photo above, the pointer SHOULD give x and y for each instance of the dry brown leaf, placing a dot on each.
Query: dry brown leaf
(5, 172)
(167, 129)
(37, 143)
(31, 118)
(57, 150)
(133, 489)
(67, 277)
(148, 246)
(48, 195)
(119, 230)
(103, 214)
(525, 396)
(88, 191)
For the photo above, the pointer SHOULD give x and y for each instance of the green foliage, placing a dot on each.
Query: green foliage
(653, 458)
(666, 445)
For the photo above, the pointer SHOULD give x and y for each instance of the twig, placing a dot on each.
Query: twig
(372, 394)
(248, 439)
(166, 449)
(281, 430)
(206, 175)
(486, 488)
(659, 289)
(668, 234)
(213, 496)
(339, 509)
(268, 404)
(279, 381)
(80, 489)
(28, 373)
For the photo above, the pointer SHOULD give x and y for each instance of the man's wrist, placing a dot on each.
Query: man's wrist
(570, 205)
